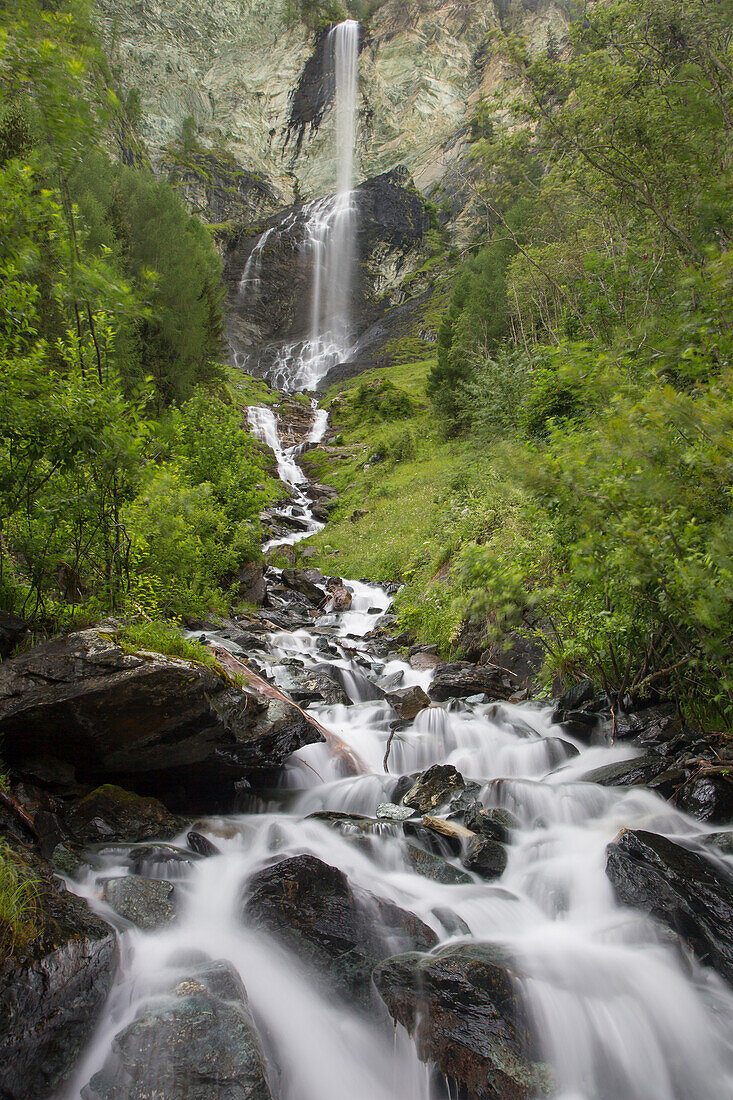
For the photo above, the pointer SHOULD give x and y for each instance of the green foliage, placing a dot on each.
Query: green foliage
(316, 15)
(476, 316)
(170, 259)
(379, 401)
(163, 636)
(109, 313)
(19, 913)
(587, 351)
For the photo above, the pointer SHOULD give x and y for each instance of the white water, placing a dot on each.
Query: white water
(621, 1011)
(250, 283)
(263, 423)
(329, 238)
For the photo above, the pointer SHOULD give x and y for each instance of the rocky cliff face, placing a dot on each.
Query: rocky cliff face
(244, 77)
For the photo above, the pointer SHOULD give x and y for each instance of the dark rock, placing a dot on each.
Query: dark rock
(197, 1043)
(201, 844)
(52, 991)
(723, 842)
(462, 1007)
(402, 786)
(148, 903)
(521, 658)
(434, 788)
(708, 796)
(425, 662)
(393, 681)
(464, 800)
(650, 725)
(250, 584)
(339, 600)
(339, 929)
(628, 773)
(434, 867)
(452, 923)
(461, 679)
(680, 888)
(495, 824)
(575, 696)
(12, 631)
(304, 581)
(486, 857)
(318, 685)
(161, 725)
(110, 813)
(438, 844)
(408, 702)
(321, 509)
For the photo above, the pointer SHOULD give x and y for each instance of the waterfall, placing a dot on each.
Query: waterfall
(330, 235)
(251, 280)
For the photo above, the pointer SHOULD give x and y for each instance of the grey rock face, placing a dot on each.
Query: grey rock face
(161, 725)
(462, 1007)
(197, 1043)
(338, 929)
(148, 903)
(52, 991)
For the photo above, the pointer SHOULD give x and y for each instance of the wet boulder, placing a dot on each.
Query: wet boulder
(145, 902)
(434, 788)
(195, 1043)
(201, 844)
(650, 725)
(250, 584)
(462, 1006)
(628, 773)
(495, 824)
(485, 857)
(52, 991)
(461, 679)
(172, 728)
(305, 582)
(408, 702)
(708, 795)
(680, 888)
(339, 599)
(338, 929)
(434, 867)
(111, 813)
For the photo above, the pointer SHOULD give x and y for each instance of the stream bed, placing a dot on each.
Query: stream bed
(604, 1002)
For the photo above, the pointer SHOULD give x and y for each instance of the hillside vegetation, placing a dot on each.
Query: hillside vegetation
(571, 477)
(127, 480)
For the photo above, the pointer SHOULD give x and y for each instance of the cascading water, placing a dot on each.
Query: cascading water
(263, 423)
(620, 1012)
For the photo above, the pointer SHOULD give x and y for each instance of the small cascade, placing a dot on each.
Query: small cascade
(250, 283)
(297, 513)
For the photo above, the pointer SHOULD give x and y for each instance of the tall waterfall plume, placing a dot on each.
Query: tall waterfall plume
(330, 233)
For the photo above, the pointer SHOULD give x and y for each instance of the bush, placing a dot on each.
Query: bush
(164, 636)
(19, 911)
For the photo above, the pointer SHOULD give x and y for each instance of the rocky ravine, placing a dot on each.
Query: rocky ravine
(81, 717)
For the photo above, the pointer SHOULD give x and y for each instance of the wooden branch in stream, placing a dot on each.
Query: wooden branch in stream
(350, 759)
